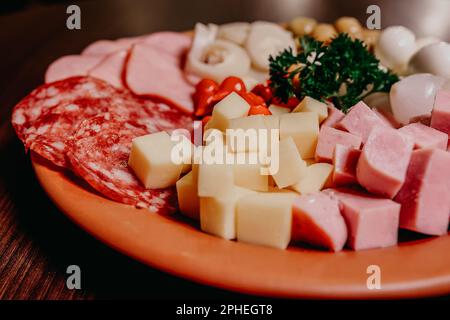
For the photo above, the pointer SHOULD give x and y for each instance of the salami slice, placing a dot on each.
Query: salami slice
(48, 126)
(44, 98)
(99, 152)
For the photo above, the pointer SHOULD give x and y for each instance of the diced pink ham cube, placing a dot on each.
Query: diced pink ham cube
(383, 162)
(345, 160)
(360, 121)
(316, 220)
(334, 116)
(372, 222)
(425, 137)
(329, 137)
(387, 117)
(440, 116)
(425, 195)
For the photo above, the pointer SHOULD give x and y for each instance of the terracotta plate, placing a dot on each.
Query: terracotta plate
(413, 269)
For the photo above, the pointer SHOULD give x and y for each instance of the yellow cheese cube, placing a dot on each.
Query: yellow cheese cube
(213, 136)
(249, 176)
(242, 134)
(231, 107)
(215, 179)
(291, 167)
(317, 177)
(272, 123)
(265, 219)
(218, 214)
(309, 104)
(151, 160)
(277, 110)
(303, 127)
(188, 199)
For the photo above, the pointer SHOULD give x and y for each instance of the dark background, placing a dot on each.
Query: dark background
(37, 242)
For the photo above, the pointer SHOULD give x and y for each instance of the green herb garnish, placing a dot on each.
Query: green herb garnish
(343, 71)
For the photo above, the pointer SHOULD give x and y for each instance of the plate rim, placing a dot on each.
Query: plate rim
(66, 194)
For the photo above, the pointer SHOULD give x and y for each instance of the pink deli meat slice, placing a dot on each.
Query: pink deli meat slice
(173, 43)
(383, 162)
(372, 222)
(157, 74)
(360, 121)
(316, 220)
(425, 137)
(425, 195)
(70, 66)
(99, 152)
(102, 48)
(111, 68)
(329, 138)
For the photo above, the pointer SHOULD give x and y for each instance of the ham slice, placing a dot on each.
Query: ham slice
(360, 121)
(383, 162)
(372, 222)
(111, 68)
(173, 43)
(440, 117)
(104, 47)
(316, 220)
(70, 66)
(345, 160)
(329, 138)
(157, 74)
(425, 137)
(425, 197)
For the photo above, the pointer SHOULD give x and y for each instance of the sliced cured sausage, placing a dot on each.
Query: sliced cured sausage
(99, 152)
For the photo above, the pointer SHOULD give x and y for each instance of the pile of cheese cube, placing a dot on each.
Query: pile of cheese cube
(236, 201)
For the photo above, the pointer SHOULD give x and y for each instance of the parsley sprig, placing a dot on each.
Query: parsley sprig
(343, 71)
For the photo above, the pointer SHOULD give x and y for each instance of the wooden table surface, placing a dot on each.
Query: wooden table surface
(37, 242)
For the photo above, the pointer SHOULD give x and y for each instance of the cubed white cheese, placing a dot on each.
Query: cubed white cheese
(151, 160)
(249, 176)
(303, 127)
(317, 176)
(218, 214)
(231, 107)
(309, 104)
(215, 179)
(277, 110)
(291, 167)
(243, 134)
(188, 199)
(265, 219)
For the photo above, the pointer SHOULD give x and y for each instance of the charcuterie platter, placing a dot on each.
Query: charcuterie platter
(273, 160)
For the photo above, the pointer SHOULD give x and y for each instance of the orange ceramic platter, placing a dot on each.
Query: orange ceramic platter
(413, 269)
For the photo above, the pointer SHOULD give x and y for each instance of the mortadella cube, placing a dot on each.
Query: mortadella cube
(329, 137)
(360, 121)
(425, 196)
(316, 220)
(345, 160)
(334, 116)
(383, 162)
(425, 137)
(440, 116)
(372, 222)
